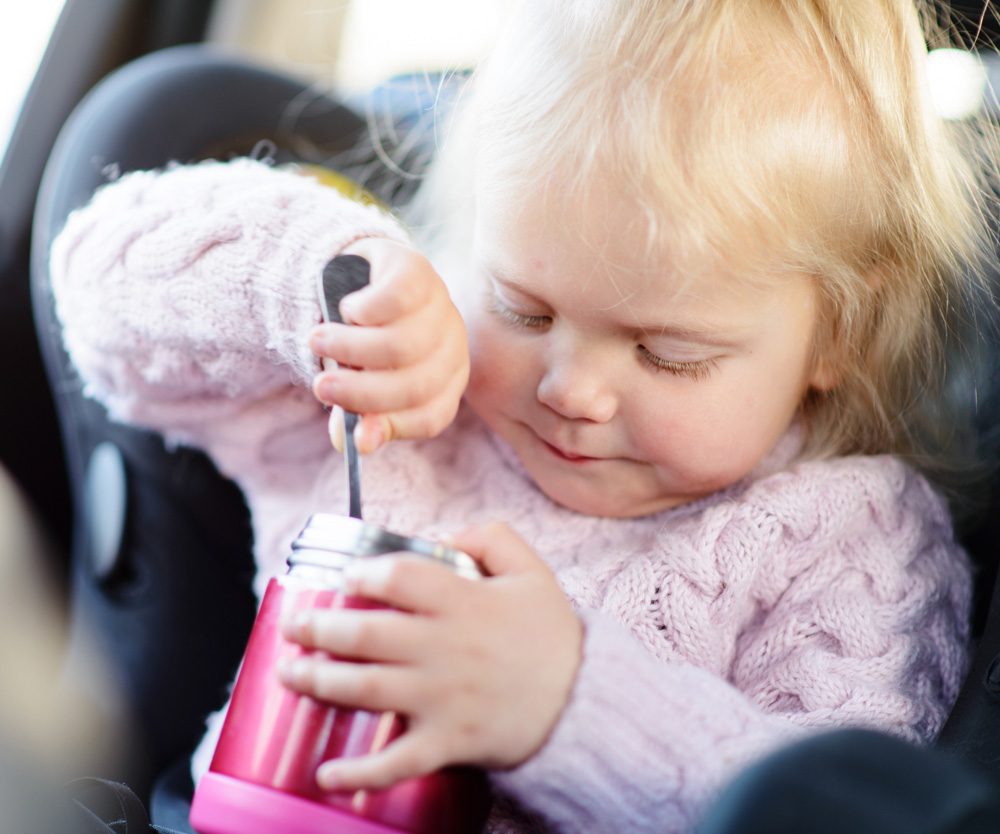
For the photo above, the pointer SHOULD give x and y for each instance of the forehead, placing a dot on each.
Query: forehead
(680, 215)
(552, 221)
(598, 256)
(737, 159)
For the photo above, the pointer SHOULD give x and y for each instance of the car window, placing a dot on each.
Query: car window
(428, 36)
(355, 44)
(23, 38)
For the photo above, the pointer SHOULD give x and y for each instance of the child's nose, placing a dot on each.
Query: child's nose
(577, 387)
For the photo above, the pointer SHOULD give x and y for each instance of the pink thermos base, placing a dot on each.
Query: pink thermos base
(262, 778)
(224, 805)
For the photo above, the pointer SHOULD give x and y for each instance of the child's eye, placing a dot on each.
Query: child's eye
(498, 308)
(697, 370)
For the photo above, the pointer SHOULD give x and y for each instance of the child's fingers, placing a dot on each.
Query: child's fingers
(394, 296)
(402, 280)
(374, 348)
(408, 583)
(498, 549)
(377, 636)
(373, 431)
(383, 391)
(335, 427)
(409, 756)
(369, 686)
(429, 420)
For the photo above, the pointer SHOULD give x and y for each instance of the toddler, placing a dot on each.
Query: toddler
(675, 391)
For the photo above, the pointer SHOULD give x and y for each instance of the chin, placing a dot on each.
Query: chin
(589, 502)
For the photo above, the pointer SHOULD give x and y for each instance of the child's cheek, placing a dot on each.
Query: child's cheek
(494, 363)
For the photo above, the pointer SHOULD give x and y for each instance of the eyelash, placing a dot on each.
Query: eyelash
(692, 370)
(516, 319)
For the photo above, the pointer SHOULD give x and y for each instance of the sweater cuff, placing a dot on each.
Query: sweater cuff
(642, 745)
(187, 293)
(326, 223)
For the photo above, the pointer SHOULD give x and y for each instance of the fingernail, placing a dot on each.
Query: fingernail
(347, 306)
(376, 437)
(296, 624)
(328, 389)
(291, 671)
(352, 574)
(360, 436)
(336, 428)
(328, 777)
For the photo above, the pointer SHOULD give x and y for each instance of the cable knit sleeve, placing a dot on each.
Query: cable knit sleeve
(186, 294)
(828, 596)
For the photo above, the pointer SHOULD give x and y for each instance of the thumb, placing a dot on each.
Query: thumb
(335, 427)
(498, 549)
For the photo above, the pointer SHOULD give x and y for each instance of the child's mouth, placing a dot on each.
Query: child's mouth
(567, 456)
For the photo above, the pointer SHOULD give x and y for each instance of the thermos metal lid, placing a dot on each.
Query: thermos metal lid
(327, 539)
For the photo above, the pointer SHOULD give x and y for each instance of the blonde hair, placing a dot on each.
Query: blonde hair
(776, 137)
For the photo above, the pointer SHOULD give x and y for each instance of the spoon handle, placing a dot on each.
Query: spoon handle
(341, 276)
(353, 461)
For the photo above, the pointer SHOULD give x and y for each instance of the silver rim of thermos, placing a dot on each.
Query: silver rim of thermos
(331, 541)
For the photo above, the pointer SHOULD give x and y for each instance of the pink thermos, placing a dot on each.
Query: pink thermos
(262, 778)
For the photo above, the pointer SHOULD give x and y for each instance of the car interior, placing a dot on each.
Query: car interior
(152, 546)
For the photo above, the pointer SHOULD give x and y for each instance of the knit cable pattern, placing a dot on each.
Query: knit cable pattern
(809, 596)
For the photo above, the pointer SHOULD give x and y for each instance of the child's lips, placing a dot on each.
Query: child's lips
(572, 457)
(562, 452)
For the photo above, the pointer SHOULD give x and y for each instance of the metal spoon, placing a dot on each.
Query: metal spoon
(341, 276)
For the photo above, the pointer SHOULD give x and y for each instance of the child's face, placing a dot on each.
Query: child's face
(625, 388)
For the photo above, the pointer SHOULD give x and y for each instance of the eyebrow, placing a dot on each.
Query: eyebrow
(710, 336)
(691, 334)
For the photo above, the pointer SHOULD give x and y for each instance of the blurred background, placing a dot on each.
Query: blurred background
(341, 44)
(354, 44)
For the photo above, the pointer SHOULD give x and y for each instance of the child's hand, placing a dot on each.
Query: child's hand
(482, 670)
(406, 366)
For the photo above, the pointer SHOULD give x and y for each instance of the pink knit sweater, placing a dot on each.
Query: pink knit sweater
(811, 595)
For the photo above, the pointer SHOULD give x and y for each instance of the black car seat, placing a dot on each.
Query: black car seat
(89, 39)
(161, 554)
